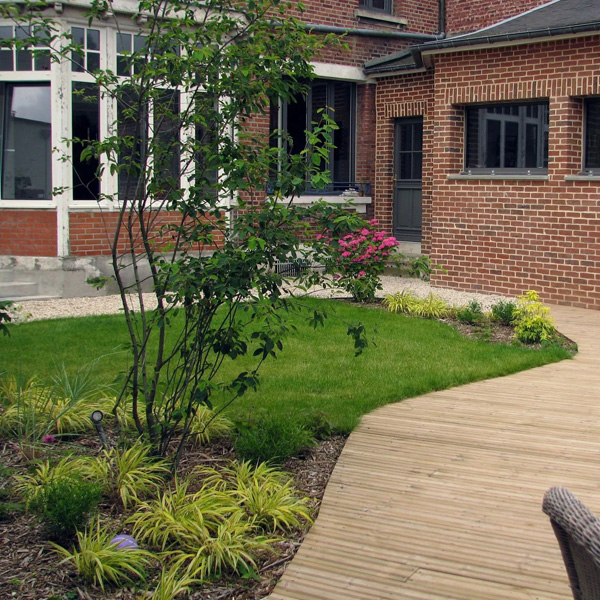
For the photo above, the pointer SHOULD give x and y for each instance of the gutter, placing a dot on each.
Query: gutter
(377, 33)
(509, 37)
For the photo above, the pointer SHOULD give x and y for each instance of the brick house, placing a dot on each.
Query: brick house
(470, 144)
(488, 151)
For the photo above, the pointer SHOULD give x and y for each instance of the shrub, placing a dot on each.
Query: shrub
(99, 561)
(66, 505)
(431, 307)
(532, 320)
(272, 440)
(472, 314)
(359, 258)
(504, 312)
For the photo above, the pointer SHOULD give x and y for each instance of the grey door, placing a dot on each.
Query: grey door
(408, 172)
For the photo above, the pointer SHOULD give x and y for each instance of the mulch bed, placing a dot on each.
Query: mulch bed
(29, 567)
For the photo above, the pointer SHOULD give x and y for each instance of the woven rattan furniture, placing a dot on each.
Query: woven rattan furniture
(578, 532)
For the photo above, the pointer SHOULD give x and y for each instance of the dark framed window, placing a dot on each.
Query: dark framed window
(338, 99)
(592, 134)
(25, 131)
(85, 123)
(507, 137)
(384, 6)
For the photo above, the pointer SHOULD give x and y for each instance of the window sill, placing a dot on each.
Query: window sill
(359, 203)
(372, 15)
(594, 178)
(28, 204)
(495, 177)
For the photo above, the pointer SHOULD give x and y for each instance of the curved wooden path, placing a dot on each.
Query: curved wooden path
(439, 497)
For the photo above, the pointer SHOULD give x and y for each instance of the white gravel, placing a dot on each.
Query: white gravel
(77, 307)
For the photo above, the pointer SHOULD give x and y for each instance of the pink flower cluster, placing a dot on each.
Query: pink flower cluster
(360, 255)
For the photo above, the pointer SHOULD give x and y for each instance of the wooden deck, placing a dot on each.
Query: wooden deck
(439, 497)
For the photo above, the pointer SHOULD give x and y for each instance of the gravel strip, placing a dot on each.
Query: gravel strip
(36, 310)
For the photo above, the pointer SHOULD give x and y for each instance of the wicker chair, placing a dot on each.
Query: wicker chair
(578, 533)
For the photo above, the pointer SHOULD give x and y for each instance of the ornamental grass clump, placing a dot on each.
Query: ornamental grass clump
(359, 258)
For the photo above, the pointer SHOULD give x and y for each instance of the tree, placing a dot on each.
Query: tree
(189, 168)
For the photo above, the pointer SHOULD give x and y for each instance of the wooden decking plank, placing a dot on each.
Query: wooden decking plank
(439, 497)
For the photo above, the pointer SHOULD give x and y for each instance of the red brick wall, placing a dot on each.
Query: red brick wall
(91, 232)
(470, 15)
(508, 236)
(422, 15)
(28, 232)
(398, 97)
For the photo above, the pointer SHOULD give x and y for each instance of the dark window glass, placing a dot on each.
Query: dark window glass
(378, 5)
(86, 127)
(592, 134)
(410, 150)
(26, 141)
(132, 132)
(87, 57)
(166, 125)
(511, 136)
(337, 99)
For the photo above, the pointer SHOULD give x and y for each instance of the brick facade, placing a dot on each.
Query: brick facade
(469, 15)
(509, 235)
(28, 232)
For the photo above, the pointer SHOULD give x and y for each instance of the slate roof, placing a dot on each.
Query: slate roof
(559, 17)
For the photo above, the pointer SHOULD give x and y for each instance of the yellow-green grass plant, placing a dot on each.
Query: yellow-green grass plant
(30, 486)
(267, 495)
(178, 518)
(33, 410)
(172, 582)
(208, 425)
(231, 549)
(128, 475)
(405, 302)
(101, 562)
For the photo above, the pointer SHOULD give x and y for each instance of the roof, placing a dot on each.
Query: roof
(559, 17)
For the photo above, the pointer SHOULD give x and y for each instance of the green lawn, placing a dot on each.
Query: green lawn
(317, 371)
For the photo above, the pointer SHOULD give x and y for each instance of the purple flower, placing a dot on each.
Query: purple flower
(48, 439)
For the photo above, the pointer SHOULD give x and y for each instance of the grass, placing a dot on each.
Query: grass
(316, 373)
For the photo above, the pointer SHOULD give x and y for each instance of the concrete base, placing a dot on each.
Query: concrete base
(52, 277)
(409, 249)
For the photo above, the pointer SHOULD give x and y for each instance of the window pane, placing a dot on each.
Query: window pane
(296, 124)
(531, 146)
(131, 151)
(511, 145)
(492, 148)
(93, 39)
(6, 54)
(123, 42)
(342, 137)
(23, 60)
(592, 135)
(86, 126)
(26, 143)
(93, 61)
(42, 61)
(166, 124)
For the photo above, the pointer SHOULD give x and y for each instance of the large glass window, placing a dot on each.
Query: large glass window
(26, 141)
(337, 98)
(592, 134)
(507, 136)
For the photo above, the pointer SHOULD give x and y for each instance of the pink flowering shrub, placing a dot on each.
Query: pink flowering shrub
(358, 259)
